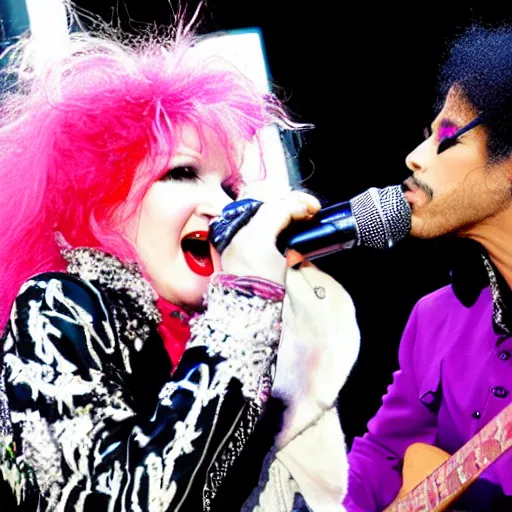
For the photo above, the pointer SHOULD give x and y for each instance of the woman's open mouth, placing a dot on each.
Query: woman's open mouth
(196, 249)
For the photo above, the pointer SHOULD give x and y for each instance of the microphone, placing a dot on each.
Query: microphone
(377, 218)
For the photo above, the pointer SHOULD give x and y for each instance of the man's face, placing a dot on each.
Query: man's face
(457, 190)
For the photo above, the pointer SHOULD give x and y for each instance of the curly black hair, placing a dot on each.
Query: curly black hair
(479, 64)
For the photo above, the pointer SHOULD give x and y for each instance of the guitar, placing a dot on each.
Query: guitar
(433, 480)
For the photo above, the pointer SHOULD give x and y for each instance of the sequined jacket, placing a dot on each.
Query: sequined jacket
(92, 418)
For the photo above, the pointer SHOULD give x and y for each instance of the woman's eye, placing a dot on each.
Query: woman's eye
(427, 132)
(180, 173)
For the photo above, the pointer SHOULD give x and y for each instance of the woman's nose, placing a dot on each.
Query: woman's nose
(212, 203)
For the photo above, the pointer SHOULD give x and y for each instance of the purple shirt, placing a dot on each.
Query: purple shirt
(455, 375)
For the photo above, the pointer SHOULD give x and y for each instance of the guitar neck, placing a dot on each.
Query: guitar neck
(445, 484)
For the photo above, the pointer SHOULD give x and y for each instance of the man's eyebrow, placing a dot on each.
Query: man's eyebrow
(447, 122)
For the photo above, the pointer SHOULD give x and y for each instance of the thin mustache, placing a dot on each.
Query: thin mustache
(423, 186)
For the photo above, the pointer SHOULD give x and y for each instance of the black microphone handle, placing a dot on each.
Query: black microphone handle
(331, 230)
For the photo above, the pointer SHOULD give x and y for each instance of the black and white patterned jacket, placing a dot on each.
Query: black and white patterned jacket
(91, 417)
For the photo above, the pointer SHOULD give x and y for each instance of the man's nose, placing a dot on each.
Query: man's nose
(415, 160)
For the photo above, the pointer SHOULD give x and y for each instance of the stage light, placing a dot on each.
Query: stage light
(49, 28)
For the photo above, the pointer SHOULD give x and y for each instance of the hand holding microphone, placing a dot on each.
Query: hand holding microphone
(377, 218)
(246, 231)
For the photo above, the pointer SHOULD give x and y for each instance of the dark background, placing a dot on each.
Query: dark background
(364, 74)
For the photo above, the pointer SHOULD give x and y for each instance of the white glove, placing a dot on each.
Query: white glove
(318, 349)
(319, 346)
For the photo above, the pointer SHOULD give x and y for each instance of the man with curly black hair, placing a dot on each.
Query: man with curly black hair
(455, 356)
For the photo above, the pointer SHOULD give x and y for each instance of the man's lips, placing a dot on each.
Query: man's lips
(413, 192)
(410, 185)
(197, 252)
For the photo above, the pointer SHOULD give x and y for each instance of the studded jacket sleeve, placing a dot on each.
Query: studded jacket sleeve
(79, 437)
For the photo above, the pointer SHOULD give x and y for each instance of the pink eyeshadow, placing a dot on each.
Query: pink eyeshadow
(447, 131)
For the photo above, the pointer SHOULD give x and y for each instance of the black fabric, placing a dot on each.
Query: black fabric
(239, 484)
(468, 274)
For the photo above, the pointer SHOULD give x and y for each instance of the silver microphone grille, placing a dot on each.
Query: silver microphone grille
(383, 217)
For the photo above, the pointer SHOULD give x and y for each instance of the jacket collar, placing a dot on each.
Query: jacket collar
(126, 280)
(111, 273)
(471, 271)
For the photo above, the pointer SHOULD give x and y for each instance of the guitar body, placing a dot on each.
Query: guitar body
(420, 460)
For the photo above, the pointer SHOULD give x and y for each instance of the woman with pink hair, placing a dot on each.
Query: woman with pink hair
(136, 359)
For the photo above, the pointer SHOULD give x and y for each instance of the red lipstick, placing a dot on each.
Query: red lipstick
(196, 249)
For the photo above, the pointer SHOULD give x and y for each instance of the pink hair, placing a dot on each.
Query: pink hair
(82, 140)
